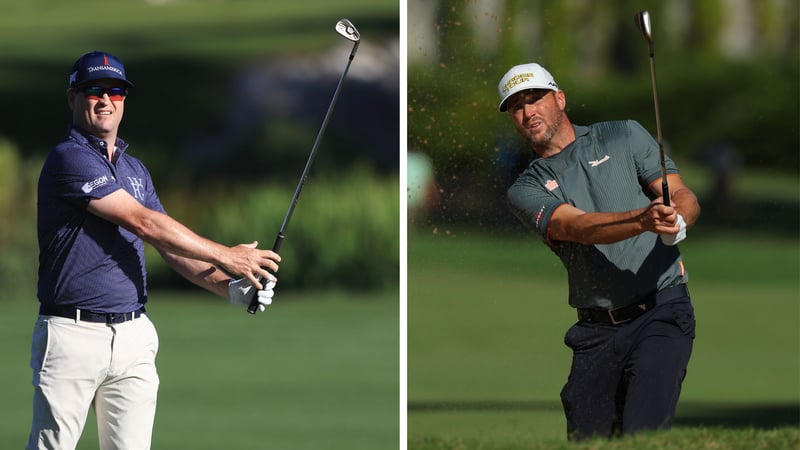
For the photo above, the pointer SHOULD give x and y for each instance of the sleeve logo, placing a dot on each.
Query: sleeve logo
(89, 186)
(540, 215)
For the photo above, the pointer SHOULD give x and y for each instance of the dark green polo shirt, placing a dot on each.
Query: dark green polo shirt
(607, 169)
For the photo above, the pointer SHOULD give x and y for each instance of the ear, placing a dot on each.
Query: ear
(561, 100)
(70, 97)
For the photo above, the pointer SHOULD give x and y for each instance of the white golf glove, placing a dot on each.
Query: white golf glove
(673, 239)
(238, 290)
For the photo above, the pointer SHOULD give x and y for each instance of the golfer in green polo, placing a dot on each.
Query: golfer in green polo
(593, 194)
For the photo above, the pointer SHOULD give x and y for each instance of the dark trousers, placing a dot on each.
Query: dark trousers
(626, 378)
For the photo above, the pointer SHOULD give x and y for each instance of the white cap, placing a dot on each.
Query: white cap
(522, 77)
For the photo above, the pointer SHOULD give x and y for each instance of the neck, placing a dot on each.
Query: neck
(110, 149)
(109, 138)
(563, 136)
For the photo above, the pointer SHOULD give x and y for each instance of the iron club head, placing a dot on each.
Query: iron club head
(643, 22)
(347, 30)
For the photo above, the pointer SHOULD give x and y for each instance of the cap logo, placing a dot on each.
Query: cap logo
(107, 68)
(517, 80)
(105, 60)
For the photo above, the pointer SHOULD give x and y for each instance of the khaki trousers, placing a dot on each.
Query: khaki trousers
(77, 365)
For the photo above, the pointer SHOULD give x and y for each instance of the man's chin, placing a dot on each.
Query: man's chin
(542, 138)
(102, 130)
(539, 141)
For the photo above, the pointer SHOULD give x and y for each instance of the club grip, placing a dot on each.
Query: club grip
(665, 190)
(253, 307)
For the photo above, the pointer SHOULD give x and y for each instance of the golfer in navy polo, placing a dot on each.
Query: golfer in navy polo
(93, 344)
(594, 195)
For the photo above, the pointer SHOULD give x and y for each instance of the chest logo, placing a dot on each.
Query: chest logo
(551, 185)
(597, 162)
(136, 184)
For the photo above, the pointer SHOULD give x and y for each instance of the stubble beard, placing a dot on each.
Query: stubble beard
(544, 141)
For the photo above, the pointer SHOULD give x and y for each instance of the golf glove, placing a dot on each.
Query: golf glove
(238, 290)
(673, 239)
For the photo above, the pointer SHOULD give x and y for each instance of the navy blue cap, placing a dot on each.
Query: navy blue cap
(95, 66)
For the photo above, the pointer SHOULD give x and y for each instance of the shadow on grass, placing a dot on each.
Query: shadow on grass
(690, 414)
(753, 415)
(481, 406)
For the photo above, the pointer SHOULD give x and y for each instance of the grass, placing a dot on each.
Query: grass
(317, 371)
(678, 439)
(486, 358)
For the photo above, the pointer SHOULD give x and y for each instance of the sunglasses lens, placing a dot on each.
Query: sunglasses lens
(114, 94)
(93, 91)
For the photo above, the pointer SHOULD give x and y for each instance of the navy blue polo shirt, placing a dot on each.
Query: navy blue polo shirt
(86, 261)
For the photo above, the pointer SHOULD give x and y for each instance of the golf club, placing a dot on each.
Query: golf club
(643, 22)
(345, 28)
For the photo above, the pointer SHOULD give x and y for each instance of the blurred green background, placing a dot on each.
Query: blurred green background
(487, 302)
(228, 98)
(727, 81)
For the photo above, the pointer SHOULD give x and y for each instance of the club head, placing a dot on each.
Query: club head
(347, 30)
(643, 22)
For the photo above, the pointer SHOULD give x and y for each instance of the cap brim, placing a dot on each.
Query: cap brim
(90, 80)
(503, 107)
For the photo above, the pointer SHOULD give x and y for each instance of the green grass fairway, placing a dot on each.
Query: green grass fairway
(316, 371)
(677, 439)
(486, 359)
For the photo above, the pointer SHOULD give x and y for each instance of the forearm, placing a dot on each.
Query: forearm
(199, 273)
(685, 203)
(168, 235)
(595, 228)
(681, 198)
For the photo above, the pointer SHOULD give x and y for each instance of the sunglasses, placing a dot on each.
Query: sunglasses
(115, 94)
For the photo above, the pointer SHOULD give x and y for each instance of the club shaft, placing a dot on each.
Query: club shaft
(314, 149)
(643, 23)
(253, 307)
(664, 185)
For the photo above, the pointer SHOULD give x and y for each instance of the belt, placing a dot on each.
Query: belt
(634, 310)
(88, 316)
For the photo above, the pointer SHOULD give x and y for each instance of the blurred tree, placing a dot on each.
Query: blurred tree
(9, 188)
(511, 48)
(705, 26)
